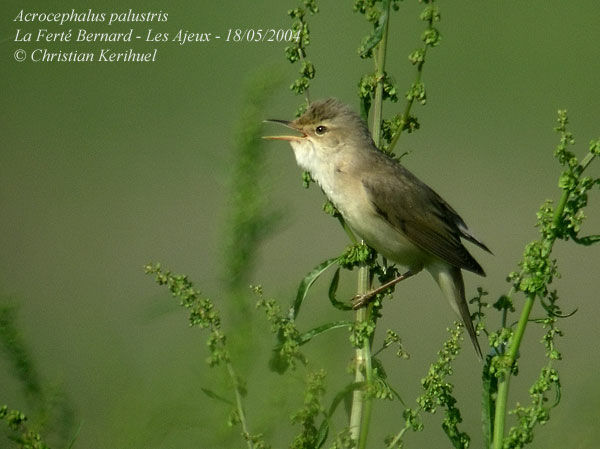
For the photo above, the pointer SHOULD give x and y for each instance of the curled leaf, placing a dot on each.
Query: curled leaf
(306, 283)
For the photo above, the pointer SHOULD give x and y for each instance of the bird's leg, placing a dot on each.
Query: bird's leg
(362, 300)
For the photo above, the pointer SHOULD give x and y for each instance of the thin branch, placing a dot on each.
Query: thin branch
(513, 349)
(360, 416)
(239, 405)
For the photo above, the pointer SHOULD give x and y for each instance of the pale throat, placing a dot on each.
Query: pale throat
(307, 157)
(322, 170)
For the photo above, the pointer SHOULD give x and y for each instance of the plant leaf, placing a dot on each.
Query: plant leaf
(333, 290)
(323, 432)
(489, 390)
(587, 240)
(306, 283)
(558, 396)
(307, 336)
(211, 394)
(342, 394)
(377, 34)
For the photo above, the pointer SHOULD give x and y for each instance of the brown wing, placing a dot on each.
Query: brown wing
(413, 208)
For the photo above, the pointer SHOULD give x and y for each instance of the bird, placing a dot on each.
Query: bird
(387, 206)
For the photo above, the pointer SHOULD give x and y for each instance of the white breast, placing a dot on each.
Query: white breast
(346, 192)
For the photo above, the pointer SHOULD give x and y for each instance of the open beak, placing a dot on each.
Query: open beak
(289, 125)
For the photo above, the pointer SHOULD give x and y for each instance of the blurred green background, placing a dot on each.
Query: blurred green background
(105, 167)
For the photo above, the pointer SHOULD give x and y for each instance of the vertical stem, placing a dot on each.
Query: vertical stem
(513, 350)
(406, 113)
(359, 395)
(239, 405)
(362, 402)
(302, 61)
(503, 383)
(368, 403)
(380, 74)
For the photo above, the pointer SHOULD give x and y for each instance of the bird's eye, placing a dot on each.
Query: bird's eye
(320, 130)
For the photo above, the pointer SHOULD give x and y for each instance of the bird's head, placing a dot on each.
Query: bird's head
(327, 128)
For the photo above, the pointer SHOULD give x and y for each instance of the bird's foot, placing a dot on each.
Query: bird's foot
(360, 301)
(363, 300)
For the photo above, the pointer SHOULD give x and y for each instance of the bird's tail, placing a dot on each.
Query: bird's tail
(451, 282)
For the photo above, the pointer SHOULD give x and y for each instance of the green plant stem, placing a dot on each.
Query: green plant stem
(503, 383)
(380, 74)
(368, 402)
(361, 374)
(409, 104)
(302, 61)
(513, 350)
(239, 405)
(398, 437)
(362, 401)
